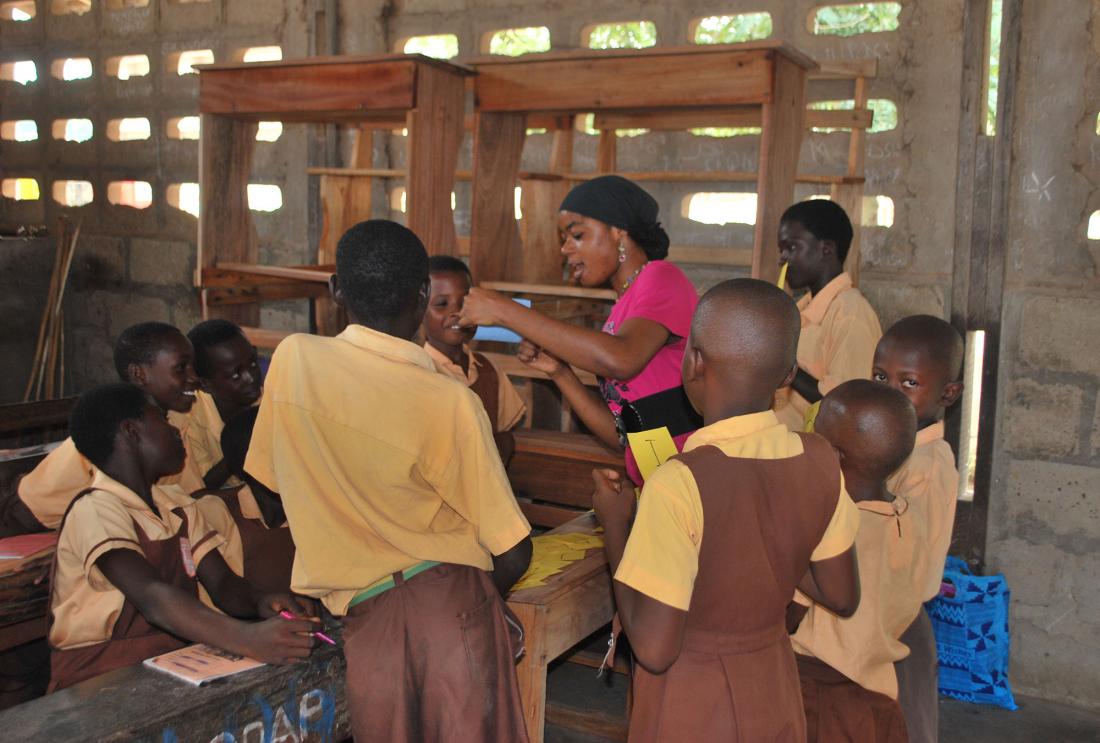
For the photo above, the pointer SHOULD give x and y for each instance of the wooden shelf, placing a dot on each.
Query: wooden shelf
(550, 290)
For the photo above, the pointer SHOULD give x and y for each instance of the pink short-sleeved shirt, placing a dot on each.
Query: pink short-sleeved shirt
(664, 295)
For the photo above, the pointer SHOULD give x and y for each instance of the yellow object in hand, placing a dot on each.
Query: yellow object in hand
(651, 449)
(782, 276)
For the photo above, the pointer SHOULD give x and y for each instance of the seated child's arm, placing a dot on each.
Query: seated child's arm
(239, 598)
(275, 640)
(834, 583)
(217, 475)
(655, 629)
(805, 385)
(15, 517)
(510, 566)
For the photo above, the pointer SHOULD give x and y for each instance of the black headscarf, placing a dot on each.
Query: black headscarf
(621, 203)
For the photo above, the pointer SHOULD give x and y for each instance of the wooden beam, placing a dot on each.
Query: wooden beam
(314, 90)
(514, 287)
(606, 152)
(850, 195)
(829, 69)
(226, 296)
(780, 144)
(265, 337)
(316, 274)
(435, 134)
(494, 236)
(345, 201)
(701, 77)
(26, 417)
(226, 230)
(708, 176)
(742, 116)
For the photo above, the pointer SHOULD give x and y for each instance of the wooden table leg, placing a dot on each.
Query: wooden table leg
(531, 670)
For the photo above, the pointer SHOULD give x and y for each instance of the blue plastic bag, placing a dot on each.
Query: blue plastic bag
(972, 639)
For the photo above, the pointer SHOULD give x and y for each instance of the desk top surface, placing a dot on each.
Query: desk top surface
(559, 586)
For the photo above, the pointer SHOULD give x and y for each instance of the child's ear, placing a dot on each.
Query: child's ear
(135, 374)
(336, 292)
(828, 247)
(789, 379)
(695, 364)
(951, 394)
(130, 432)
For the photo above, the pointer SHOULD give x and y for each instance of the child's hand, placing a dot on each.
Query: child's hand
(272, 603)
(482, 307)
(279, 641)
(537, 359)
(613, 499)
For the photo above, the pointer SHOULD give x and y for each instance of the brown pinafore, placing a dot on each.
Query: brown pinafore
(431, 660)
(268, 553)
(133, 639)
(838, 708)
(487, 387)
(735, 678)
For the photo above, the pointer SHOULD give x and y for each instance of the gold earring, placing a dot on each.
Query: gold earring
(622, 252)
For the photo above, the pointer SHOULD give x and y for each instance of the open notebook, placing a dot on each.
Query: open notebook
(200, 664)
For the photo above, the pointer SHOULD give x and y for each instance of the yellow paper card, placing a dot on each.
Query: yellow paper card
(651, 449)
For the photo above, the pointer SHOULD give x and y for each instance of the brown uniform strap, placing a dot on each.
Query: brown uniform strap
(57, 550)
(487, 387)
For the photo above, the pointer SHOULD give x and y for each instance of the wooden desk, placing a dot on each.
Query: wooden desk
(24, 600)
(556, 616)
(305, 702)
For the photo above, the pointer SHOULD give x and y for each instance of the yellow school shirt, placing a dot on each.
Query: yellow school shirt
(662, 554)
(929, 480)
(510, 406)
(839, 333)
(381, 462)
(865, 646)
(85, 604)
(49, 488)
(202, 429)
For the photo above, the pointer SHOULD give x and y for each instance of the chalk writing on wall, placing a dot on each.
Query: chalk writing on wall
(310, 716)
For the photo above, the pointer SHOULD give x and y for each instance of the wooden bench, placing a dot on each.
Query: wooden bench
(551, 473)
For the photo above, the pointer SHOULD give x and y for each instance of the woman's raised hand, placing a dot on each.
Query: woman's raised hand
(537, 359)
(483, 307)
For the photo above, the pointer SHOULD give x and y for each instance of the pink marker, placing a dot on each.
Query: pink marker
(319, 635)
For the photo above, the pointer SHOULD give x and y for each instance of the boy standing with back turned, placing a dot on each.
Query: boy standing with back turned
(396, 526)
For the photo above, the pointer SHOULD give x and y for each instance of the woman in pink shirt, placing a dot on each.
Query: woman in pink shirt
(611, 238)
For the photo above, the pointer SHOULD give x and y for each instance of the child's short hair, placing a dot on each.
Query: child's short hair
(97, 416)
(936, 340)
(826, 220)
(140, 344)
(447, 264)
(882, 417)
(210, 333)
(380, 266)
(236, 437)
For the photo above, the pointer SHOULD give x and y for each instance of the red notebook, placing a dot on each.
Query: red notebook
(14, 551)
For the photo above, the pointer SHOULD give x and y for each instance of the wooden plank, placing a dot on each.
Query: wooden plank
(531, 670)
(606, 152)
(264, 337)
(315, 274)
(14, 635)
(741, 116)
(831, 69)
(704, 54)
(494, 236)
(589, 722)
(515, 287)
(546, 514)
(303, 702)
(25, 417)
(226, 230)
(780, 144)
(345, 201)
(317, 91)
(243, 295)
(709, 176)
(452, 66)
(556, 467)
(640, 80)
(540, 259)
(435, 135)
(850, 195)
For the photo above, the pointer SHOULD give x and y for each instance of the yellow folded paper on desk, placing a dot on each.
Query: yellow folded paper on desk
(651, 449)
(552, 553)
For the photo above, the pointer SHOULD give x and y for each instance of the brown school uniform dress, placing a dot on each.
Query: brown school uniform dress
(93, 627)
(766, 512)
(268, 551)
(502, 402)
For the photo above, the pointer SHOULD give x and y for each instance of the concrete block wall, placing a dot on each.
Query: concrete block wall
(134, 264)
(1044, 529)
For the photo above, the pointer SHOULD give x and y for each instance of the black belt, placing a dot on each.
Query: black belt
(669, 409)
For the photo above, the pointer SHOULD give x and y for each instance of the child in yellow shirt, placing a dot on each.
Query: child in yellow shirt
(922, 356)
(230, 382)
(448, 345)
(839, 327)
(846, 665)
(126, 571)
